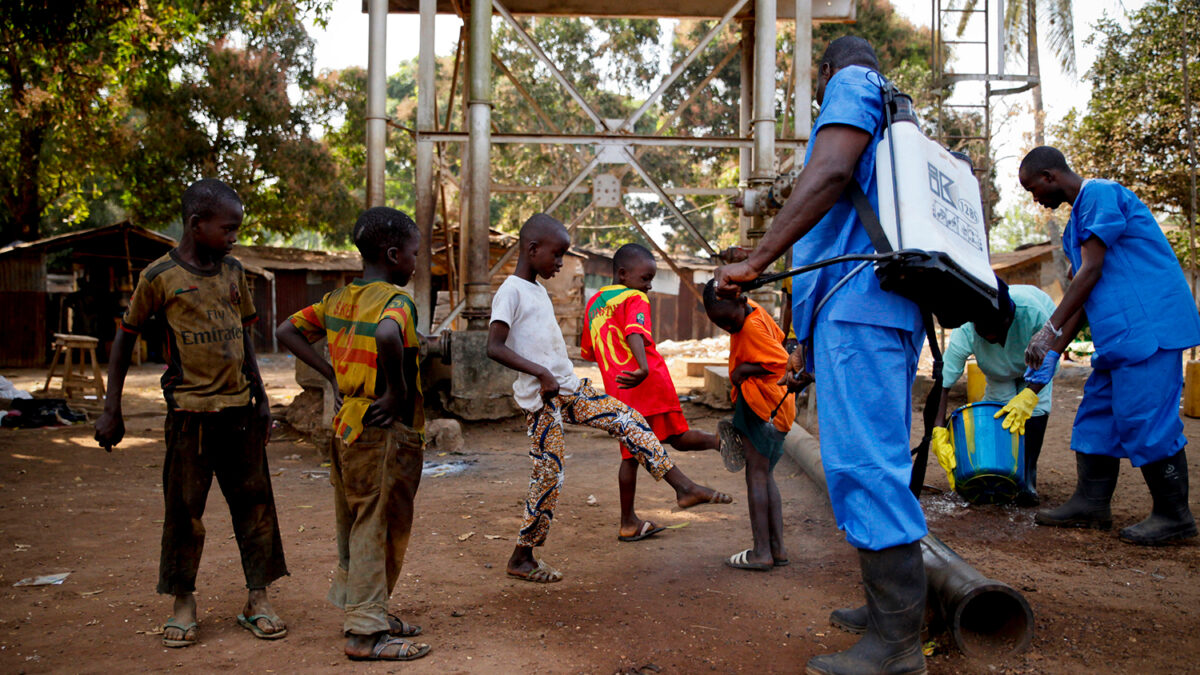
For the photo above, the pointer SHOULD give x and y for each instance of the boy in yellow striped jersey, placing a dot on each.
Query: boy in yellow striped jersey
(379, 428)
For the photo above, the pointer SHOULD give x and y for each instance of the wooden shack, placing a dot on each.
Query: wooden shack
(1032, 265)
(80, 283)
(300, 277)
(677, 311)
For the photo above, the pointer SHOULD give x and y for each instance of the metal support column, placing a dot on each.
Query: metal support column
(479, 69)
(745, 111)
(802, 84)
(376, 100)
(762, 174)
(426, 201)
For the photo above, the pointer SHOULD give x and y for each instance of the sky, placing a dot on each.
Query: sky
(343, 42)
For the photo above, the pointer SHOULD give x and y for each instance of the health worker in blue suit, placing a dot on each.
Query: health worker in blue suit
(1129, 288)
(864, 348)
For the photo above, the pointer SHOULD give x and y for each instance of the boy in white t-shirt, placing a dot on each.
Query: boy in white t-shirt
(524, 335)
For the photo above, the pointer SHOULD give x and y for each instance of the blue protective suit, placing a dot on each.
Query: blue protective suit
(1142, 317)
(866, 343)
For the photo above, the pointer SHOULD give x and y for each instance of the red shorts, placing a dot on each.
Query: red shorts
(664, 425)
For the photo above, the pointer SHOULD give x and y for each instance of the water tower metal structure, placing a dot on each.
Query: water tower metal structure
(613, 142)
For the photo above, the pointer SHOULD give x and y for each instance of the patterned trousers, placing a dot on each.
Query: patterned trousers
(586, 407)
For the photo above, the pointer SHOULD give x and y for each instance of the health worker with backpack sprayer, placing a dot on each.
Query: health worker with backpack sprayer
(864, 340)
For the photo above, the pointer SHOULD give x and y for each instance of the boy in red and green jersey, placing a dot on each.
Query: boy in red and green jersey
(617, 336)
(379, 428)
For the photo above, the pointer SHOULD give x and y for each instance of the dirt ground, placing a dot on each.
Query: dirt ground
(666, 603)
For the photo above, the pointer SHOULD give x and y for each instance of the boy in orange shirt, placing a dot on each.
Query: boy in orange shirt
(617, 337)
(762, 414)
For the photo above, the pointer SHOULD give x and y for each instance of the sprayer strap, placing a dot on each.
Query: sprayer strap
(868, 217)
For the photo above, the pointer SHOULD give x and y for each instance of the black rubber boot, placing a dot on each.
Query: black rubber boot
(1090, 505)
(1170, 519)
(1029, 496)
(894, 579)
(850, 619)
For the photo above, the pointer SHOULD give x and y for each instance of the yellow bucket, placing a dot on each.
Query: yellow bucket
(1191, 389)
(976, 383)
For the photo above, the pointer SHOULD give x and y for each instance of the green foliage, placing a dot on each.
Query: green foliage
(1018, 226)
(1134, 129)
(117, 105)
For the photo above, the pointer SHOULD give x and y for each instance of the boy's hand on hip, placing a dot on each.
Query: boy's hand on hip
(628, 379)
(549, 385)
(382, 411)
(110, 429)
(262, 416)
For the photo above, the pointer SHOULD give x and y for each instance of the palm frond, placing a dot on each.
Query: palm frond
(1061, 23)
(1016, 26)
(963, 19)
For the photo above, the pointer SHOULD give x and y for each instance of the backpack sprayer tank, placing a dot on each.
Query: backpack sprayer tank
(929, 200)
(929, 234)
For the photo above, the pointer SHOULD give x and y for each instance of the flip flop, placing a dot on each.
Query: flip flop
(648, 529)
(384, 641)
(250, 623)
(740, 561)
(406, 629)
(730, 445)
(717, 497)
(175, 644)
(783, 563)
(542, 574)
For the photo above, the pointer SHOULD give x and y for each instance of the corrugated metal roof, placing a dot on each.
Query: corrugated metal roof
(1003, 261)
(285, 258)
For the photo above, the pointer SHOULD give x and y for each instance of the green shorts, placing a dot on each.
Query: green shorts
(764, 438)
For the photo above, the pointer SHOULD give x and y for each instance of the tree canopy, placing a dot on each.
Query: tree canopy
(115, 105)
(1134, 129)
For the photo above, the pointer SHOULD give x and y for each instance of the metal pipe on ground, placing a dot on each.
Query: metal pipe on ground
(987, 619)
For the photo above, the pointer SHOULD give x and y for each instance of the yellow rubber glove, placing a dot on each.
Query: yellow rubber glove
(943, 449)
(1019, 410)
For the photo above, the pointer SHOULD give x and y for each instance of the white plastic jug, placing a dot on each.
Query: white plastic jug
(940, 205)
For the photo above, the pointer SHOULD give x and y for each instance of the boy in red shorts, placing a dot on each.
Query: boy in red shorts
(617, 338)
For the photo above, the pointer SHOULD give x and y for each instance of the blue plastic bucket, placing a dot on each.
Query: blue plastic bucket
(991, 461)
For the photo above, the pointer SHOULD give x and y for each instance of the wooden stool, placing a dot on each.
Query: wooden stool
(65, 347)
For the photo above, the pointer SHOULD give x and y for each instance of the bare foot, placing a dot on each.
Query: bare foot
(699, 494)
(780, 555)
(638, 530)
(398, 627)
(183, 614)
(257, 603)
(383, 647)
(521, 562)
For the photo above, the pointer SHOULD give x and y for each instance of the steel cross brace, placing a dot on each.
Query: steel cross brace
(512, 250)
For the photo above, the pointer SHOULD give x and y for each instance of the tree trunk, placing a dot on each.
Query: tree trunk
(24, 200)
(1035, 69)
(1057, 256)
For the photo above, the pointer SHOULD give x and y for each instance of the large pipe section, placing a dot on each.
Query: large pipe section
(987, 619)
(376, 99)
(422, 281)
(479, 126)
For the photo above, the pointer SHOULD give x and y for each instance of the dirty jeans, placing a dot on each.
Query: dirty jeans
(374, 482)
(230, 445)
(585, 407)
